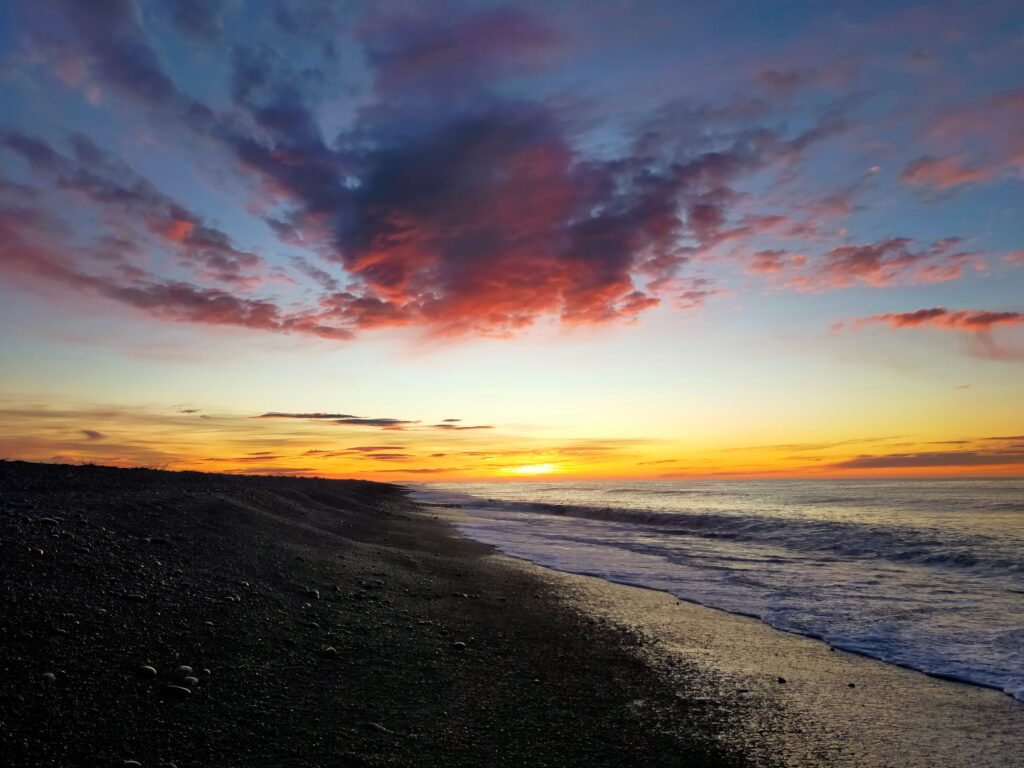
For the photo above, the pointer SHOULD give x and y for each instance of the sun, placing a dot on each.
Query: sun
(531, 469)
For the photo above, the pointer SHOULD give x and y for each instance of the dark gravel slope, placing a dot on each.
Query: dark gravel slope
(326, 623)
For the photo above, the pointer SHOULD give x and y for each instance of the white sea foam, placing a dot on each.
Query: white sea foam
(925, 574)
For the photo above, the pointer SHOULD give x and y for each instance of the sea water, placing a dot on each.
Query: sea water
(927, 574)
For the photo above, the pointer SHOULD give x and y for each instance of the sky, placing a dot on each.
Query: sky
(439, 240)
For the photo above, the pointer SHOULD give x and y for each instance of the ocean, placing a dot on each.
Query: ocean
(927, 574)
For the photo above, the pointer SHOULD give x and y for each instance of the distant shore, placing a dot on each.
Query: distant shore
(200, 620)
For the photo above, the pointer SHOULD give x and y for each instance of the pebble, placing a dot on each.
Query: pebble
(458, 645)
(313, 593)
(177, 691)
(204, 672)
(49, 677)
(852, 685)
(377, 727)
(782, 680)
(146, 671)
(328, 651)
(184, 669)
(131, 762)
(190, 682)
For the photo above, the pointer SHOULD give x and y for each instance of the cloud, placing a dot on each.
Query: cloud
(448, 425)
(941, 173)
(421, 470)
(383, 423)
(106, 45)
(129, 203)
(92, 434)
(932, 459)
(343, 418)
(890, 261)
(252, 458)
(974, 320)
(200, 20)
(773, 262)
(883, 263)
(414, 52)
(279, 415)
(803, 447)
(450, 204)
(975, 141)
(1015, 257)
(446, 197)
(978, 326)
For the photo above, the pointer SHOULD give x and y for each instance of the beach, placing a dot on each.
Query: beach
(197, 619)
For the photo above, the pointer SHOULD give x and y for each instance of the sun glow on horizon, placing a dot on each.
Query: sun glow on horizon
(531, 469)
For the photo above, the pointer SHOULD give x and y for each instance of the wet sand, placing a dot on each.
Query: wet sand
(834, 708)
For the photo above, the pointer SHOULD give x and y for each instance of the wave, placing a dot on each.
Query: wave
(926, 576)
(900, 545)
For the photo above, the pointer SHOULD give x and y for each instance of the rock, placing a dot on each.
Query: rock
(184, 669)
(190, 682)
(458, 645)
(313, 593)
(131, 762)
(176, 691)
(146, 672)
(377, 727)
(204, 672)
(782, 680)
(852, 685)
(49, 678)
(328, 652)
(51, 521)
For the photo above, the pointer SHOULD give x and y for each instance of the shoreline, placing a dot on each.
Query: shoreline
(890, 715)
(943, 608)
(343, 624)
(917, 720)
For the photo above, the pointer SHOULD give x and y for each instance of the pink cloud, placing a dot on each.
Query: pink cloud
(978, 141)
(941, 173)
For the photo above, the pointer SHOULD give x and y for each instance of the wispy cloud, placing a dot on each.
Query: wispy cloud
(932, 459)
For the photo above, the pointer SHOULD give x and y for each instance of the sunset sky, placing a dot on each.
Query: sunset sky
(476, 240)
